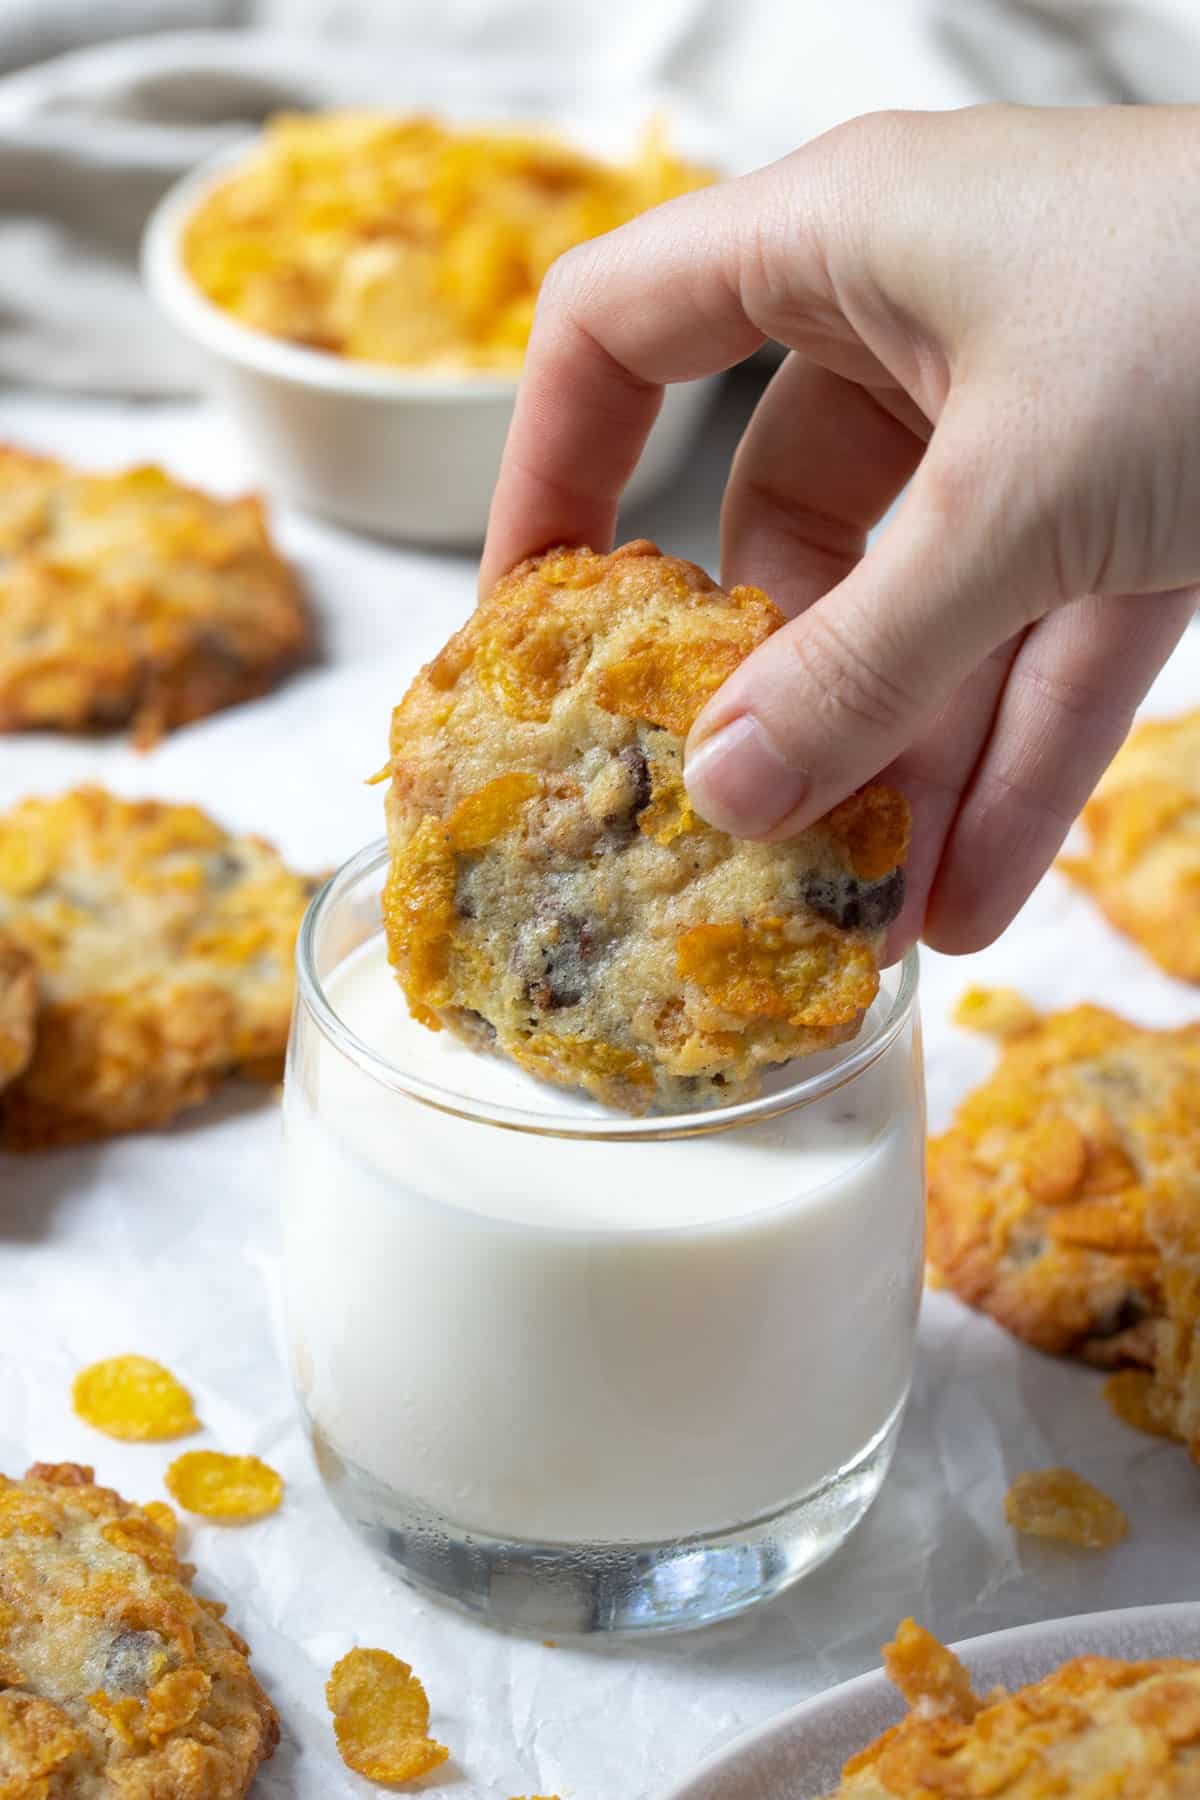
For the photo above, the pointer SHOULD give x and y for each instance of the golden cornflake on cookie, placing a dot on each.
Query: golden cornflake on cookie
(553, 896)
(1137, 1400)
(1097, 1727)
(381, 1717)
(130, 599)
(1142, 864)
(1044, 1191)
(163, 948)
(116, 1682)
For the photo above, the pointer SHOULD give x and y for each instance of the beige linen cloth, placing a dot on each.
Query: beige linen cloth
(104, 102)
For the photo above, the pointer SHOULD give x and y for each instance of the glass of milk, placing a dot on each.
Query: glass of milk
(576, 1371)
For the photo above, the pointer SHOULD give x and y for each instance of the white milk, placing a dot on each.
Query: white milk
(573, 1341)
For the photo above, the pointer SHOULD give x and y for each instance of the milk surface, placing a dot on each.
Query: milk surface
(591, 1341)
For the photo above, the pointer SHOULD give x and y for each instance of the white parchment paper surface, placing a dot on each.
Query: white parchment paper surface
(167, 1244)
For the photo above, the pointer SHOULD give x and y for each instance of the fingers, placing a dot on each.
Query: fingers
(1065, 711)
(933, 774)
(819, 464)
(684, 291)
(833, 697)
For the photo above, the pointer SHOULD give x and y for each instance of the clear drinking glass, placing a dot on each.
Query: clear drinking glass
(578, 1372)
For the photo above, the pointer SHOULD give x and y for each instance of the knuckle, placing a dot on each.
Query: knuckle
(565, 279)
(851, 686)
(873, 134)
(1021, 794)
(808, 527)
(1079, 700)
(954, 477)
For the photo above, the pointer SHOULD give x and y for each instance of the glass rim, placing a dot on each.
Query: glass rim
(861, 1052)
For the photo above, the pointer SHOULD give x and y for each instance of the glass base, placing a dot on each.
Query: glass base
(559, 1590)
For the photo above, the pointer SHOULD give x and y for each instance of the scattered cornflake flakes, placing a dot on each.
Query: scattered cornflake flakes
(998, 1012)
(133, 1398)
(1058, 1503)
(230, 1489)
(381, 1717)
(1134, 1397)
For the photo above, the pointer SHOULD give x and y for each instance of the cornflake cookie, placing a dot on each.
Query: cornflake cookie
(116, 1682)
(1169, 1403)
(1143, 861)
(405, 241)
(553, 896)
(132, 599)
(18, 1008)
(1095, 1727)
(1043, 1191)
(163, 948)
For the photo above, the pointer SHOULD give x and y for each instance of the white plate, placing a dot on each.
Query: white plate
(799, 1755)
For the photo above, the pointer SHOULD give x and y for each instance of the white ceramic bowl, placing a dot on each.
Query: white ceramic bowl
(388, 450)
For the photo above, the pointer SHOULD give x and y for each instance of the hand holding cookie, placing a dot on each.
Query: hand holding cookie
(941, 281)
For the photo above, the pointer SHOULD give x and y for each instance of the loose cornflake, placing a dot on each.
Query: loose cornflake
(230, 1489)
(381, 1717)
(997, 1012)
(133, 1398)
(1058, 1503)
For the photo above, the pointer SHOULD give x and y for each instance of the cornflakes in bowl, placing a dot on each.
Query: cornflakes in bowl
(364, 286)
(405, 241)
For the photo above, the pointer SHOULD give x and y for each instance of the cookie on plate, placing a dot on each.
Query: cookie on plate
(116, 1682)
(132, 599)
(18, 1008)
(1143, 824)
(163, 947)
(553, 896)
(1043, 1192)
(1096, 1726)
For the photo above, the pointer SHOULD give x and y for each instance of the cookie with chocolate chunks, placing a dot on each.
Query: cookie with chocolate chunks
(553, 896)
(1045, 1194)
(116, 1681)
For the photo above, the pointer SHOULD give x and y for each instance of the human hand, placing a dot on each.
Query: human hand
(998, 307)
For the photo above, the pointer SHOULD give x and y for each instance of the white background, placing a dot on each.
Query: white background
(167, 1244)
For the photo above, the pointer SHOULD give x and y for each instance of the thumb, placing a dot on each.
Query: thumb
(836, 694)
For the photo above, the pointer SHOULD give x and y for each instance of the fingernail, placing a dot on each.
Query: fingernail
(740, 781)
